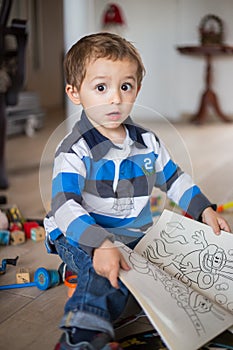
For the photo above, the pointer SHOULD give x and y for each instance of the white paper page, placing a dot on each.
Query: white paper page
(191, 252)
(166, 302)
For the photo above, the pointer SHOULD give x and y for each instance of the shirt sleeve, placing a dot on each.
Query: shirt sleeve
(69, 215)
(179, 185)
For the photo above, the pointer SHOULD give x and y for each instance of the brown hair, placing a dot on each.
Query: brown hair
(94, 46)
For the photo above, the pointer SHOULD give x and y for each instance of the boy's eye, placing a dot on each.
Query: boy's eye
(101, 87)
(126, 87)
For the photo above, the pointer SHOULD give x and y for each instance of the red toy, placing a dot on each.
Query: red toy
(113, 15)
(28, 225)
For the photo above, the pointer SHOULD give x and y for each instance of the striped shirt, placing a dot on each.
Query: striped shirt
(101, 190)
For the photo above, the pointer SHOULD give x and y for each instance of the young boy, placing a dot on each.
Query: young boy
(103, 176)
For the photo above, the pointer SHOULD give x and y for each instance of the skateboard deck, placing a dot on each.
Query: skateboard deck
(150, 340)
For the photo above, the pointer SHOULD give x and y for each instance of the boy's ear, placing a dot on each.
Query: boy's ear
(139, 88)
(73, 94)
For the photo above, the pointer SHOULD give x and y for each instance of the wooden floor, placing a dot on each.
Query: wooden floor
(29, 317)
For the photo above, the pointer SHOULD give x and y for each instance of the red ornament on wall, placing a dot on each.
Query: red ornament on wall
(113, 15)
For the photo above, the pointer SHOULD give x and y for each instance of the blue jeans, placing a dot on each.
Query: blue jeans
(95, 304)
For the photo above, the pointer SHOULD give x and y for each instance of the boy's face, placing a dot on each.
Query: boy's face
(108, 92)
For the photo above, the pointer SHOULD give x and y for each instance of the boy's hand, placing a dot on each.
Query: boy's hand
(216, 221)
(107, 261)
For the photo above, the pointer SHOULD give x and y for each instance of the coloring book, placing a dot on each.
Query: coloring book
(182, 276)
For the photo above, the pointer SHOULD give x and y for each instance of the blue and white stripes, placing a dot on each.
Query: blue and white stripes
(100, 189)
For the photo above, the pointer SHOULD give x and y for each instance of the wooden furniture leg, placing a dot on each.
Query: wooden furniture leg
(209, 98)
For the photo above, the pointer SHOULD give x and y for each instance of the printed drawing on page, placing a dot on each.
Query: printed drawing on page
(197, 257)
(182, 272)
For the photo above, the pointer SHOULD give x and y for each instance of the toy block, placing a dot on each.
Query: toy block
(22, 275)
(4, 237)
(17, 237)
(14, 215)
(28, 225)
(38, 234)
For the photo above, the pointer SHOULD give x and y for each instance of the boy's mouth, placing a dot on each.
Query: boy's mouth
(114, 115)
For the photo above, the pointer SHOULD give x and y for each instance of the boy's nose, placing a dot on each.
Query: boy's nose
(116, 97)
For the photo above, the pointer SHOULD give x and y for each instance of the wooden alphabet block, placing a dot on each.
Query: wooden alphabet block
(22, 275)
(38, 234)
(17, 237)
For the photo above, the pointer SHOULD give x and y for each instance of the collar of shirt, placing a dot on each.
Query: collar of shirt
(99, 144)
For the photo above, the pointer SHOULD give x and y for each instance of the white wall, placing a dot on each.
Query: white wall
(174, 82)
(74, 28)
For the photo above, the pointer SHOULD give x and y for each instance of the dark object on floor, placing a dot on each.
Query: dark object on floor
(149, 340)
(7, 262)
(222, 341)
